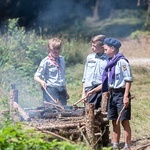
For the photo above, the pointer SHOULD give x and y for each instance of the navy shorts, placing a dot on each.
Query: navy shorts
(115, 105)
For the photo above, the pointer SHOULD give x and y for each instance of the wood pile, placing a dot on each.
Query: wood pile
(69, 122)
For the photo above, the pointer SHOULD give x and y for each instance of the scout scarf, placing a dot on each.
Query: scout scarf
(110, 65)
(54, 60)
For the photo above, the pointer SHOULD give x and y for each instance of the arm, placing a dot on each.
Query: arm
(42, 82)
(126, 98)
(39, 73)
(83, 91)
(95, 90)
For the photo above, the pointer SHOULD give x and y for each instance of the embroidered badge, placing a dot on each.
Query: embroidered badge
(91, 61)
(124, 67)
(40, 68)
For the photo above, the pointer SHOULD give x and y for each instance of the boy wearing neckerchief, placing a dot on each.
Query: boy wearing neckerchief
(51, 74)
(117, 79)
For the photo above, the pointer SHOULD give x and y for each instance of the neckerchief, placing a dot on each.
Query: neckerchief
(54, 60)
(110, 65)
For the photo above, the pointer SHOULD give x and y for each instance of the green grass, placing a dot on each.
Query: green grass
(141, 103)
(74, 83)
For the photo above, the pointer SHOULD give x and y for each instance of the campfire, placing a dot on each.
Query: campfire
(71, 123)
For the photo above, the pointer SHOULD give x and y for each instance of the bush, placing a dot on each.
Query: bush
(16, 136)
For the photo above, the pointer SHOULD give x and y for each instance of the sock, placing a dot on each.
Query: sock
(115, 144)
(127, 145)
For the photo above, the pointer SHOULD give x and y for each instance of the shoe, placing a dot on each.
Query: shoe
(115, 147)
(126, 148)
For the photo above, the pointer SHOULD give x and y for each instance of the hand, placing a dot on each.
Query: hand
(126, 101)
(90, 93)
(43, 84)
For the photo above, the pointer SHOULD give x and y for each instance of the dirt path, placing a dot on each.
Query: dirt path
(140, 62)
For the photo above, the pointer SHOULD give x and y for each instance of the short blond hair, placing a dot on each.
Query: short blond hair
(54, 43)
(99, 39)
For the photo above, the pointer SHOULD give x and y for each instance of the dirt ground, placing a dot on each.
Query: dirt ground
(139, 144)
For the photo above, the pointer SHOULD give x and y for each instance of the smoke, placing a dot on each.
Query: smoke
(58, 11)
(29, 92)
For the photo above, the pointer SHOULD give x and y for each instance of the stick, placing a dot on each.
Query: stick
(49, 103)
(84, 136)
(56, 135)
(131, 97)
(120, 114)
(80, 100)
(143, 146)
(50, 95)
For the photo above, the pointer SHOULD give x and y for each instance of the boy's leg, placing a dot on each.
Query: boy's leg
(127, 132)
(116, 132)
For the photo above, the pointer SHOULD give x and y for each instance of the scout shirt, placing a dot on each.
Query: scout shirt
(122, 74)
(52, 70)
(93, 70)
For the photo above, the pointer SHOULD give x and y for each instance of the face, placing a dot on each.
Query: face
(55, 52)
(109, 50)
(96, 48)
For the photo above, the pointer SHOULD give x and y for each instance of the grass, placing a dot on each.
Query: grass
(140, 105)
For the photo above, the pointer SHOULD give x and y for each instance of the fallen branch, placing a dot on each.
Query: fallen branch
(56, 135)
(80, 129)
(143, 146)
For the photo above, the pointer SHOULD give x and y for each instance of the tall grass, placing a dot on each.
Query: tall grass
(140, 105)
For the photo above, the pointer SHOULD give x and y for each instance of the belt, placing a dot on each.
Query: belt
(117, 90)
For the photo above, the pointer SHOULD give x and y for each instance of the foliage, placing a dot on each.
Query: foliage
(16, 136)
(75, 51)
(20, 50)
(140, 34)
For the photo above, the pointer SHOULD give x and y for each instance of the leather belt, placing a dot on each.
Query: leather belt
(117, 90)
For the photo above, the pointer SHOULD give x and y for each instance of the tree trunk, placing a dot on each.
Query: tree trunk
(95, 12)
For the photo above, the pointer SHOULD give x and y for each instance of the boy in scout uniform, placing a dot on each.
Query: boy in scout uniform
(51, 74)
(117, 79)
(94, 67)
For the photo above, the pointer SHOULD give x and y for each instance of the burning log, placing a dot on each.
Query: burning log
(53, 104)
